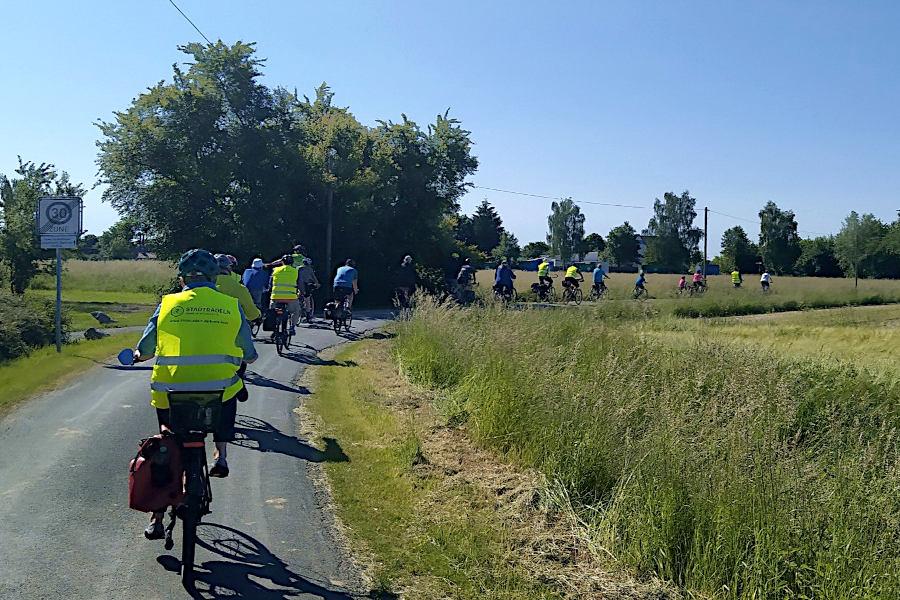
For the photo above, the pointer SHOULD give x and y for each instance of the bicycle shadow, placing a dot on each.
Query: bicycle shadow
(262, 436)
(306, 358)
(255, 379)
(245, 568)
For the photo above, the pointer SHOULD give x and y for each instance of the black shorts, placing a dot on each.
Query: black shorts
(571, 281)
(341, 292)
(225, 432)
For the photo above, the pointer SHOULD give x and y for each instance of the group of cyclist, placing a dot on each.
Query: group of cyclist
(201, 335)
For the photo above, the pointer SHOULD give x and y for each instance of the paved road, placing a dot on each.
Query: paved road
(65, 527)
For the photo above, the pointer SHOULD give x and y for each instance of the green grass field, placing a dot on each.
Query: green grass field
(739, 458)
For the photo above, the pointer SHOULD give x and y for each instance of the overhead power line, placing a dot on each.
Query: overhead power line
(188, 19)
(483, 187)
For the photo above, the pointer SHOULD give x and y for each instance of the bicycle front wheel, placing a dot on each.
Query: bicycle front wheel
(577, 296)
(348, 321)
(279, 343)
(189, 540)
(336, 323)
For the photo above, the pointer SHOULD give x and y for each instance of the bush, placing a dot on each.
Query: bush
(731, 471)
(25, 324)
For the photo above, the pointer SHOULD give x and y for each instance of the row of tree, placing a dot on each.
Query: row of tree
(864, 247)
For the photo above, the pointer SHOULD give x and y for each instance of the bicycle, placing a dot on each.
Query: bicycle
(598, 292)
(545, 292)
(640, 293)
(307, 303)
(282, 334)
(342, 316)
(697, 289)
(506, 294)
(572, 294)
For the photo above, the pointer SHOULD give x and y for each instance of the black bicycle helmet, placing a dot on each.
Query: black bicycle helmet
(198, 263)
(287, 259)
(224, 263)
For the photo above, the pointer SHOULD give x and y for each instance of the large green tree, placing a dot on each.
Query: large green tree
(859, 246)
(216, 159)
(486, 227)
(566, 229)
(535, 249)
(622, 246)
(115, 242)
(593, 242)
(507, 248)
(818, 259)
(779, 242)
(672, 237)
(738, 251)
(19, 244)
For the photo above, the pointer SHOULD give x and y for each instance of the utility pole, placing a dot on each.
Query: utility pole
(329, 165)
(705, 238)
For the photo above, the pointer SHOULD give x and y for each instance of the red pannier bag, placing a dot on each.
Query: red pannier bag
(155, 479)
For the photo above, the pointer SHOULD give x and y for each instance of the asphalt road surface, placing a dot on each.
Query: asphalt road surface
(65, 527)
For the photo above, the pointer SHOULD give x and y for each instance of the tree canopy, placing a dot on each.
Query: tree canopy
(672, 237)
(216, 159)
(566, 229)
(622, 245)
(738, 251)
(779, 242)
(535, 249)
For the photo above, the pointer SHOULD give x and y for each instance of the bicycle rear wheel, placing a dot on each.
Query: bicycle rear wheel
(577, 296)
(348, 321)
(189, 539)
(336, 323)
(279, 342)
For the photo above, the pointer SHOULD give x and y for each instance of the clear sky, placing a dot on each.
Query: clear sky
(738, 102)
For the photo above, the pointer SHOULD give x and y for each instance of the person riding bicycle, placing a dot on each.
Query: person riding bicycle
(697, 280)
(640, 282)
(503, 278)
(346, 283)
(682, 284)
(256, 280)
(308, 282)
(196, 352)
(298, 253)
(544, 273)
(464, 280)
(736, 279)
(600, 275)
(406, 278)
(765, 280)
(227, 284)
(573, 277)
(284, 285)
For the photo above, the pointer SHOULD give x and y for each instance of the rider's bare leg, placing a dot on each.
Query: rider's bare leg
(221, 451)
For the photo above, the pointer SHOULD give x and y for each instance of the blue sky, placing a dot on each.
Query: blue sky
(740, 103)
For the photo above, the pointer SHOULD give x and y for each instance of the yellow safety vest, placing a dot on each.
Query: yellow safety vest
(196, 349)
(284, 283)
(543, 269)
(735, 277)
(229, 286)
(572, 272)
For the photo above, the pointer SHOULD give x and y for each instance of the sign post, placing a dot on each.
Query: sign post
(59, 225)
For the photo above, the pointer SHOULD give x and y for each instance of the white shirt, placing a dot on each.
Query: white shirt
(766, 277)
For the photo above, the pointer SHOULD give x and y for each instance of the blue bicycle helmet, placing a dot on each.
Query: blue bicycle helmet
(198, 263)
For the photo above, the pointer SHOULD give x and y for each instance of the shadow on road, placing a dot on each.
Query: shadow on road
(256, 434)
(307, 358)
(246, 569)
(254, 378)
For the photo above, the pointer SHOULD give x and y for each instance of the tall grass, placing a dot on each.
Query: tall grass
(733, 472)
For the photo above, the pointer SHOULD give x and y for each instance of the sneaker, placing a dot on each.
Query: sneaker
(155, 531)
(220, 469)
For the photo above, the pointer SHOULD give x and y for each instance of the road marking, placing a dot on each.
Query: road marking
(278, 503)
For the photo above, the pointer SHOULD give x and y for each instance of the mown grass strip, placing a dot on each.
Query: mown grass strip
(44, 369)
(424, 548)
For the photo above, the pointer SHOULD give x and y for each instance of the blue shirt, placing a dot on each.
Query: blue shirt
(345, 277)
(147, 345)
(599, 275)
(640, 280)
(504, 276)
(255, 279)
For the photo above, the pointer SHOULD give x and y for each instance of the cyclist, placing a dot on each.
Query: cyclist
(765, 280)
(682, 284)
(599, 277)
(307, 283)
(284, 285)
(573, 277)
(464, 280)
(346, 283)
(256, 280)
(297, 253)
(503, 279)
(227, 284)
(736, 279)
(194, 351)
(232, 271)
(640, 282)
(406, 279)
(544, 273)
(697, 280)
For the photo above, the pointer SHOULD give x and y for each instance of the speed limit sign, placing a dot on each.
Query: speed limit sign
(59, 221)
